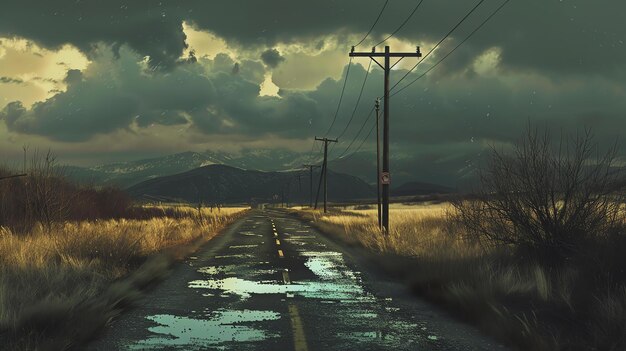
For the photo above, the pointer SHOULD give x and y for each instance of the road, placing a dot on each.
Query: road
(272, 282)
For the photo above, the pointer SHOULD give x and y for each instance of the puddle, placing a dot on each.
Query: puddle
(245, 288)
(329, 265)
(323, 268)
(217, 328)
(249, 233)
(388, 334)
(235, 256)
(242, 246)
(295, 238)
(230, 269)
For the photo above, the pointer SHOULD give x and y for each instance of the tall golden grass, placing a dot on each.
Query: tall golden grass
(522, 302)
(46, 274)
(416, 231)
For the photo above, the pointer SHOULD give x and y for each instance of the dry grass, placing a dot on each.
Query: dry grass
(48, 276)
(416, 231)
(521, 302)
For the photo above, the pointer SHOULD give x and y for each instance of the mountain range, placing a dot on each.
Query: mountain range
(361, 165)
(125, 174)
(226, 184)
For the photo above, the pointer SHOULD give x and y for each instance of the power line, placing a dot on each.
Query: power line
(311, 153)
(403, 23)
(343, 89)
(373, 25)
(358, 100)
(360, 145)
(455, 48)
(439, 43)
(357, 134)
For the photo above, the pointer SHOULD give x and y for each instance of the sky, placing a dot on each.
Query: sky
(104, 81)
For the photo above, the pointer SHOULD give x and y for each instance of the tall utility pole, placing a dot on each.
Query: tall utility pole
(324, 171)
(311, 168)
(384, 176)
(380, 223)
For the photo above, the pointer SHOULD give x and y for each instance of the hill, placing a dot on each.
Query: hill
(226, 184)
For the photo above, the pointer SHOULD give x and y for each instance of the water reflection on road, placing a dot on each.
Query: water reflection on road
(212, 329)
(330, 296)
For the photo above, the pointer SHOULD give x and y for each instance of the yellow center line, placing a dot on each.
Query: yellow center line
(277, 242)
(286, 278)
(299, 339)
(281, 254)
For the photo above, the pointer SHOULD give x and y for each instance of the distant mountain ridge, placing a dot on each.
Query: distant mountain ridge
(362, 165)
(125, 174)
(226, 184)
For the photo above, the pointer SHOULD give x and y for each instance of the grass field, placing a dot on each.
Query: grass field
(58, 286)
(524, 303)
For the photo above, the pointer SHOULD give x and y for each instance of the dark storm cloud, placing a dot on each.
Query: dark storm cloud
(111, 97)
(73, 76)
(115, 94)
(563, 36)
(450, 109)
(9, 80)
(272, 58)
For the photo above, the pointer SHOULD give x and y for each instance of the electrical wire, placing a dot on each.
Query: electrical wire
(358, 133)
(343, 89)
(439, 43)
(358, 100)
(373, 25)
(455, 48)
(403, 23)
(360, 145)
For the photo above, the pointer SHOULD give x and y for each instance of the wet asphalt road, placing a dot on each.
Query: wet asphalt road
(272, 282)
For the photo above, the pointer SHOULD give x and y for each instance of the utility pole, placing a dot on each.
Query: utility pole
(311, 168)
(380, 223)
(384, 176)
(324, 171)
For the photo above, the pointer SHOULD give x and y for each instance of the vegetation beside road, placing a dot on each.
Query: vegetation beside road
(535, 258)
(72, 258)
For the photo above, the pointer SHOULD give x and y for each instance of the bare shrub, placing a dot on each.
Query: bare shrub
(40, 197)
(45, 197)
(545, 199)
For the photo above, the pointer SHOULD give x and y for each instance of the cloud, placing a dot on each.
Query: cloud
(73, 76)
(123, 93)
(556, 63)
(9, 80)
(272, 58)
(565, 36)
(479, 103)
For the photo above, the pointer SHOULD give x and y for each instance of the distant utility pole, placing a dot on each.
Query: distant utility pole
(311, 168)
(324, 171)
(384, 176)
(380, 223)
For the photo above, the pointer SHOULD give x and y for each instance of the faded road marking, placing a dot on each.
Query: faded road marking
(299, 339)
(286, 278)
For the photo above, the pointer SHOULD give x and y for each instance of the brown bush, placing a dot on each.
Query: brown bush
(546, 199)
(44, 196)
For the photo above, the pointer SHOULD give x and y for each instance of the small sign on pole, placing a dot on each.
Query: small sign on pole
(385, 178)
